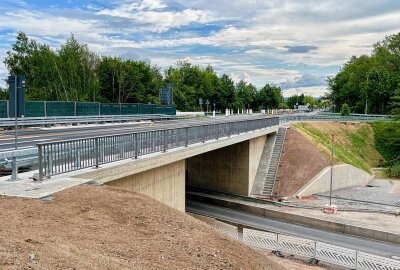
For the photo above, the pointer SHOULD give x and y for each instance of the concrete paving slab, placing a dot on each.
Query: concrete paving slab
(28, 188)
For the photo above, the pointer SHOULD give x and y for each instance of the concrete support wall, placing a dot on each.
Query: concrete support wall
(256, 147)
(165, 184)
(230, 169)
(344, 175)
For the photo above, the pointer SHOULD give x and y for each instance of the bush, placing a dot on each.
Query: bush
(345, 110)
(394, 170)
(387, 140)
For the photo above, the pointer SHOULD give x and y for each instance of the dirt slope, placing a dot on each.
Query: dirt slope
(300, 161)
(89, 227)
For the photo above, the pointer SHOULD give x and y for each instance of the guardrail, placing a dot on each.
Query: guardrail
(314, 250)
(357, 114)
(332, 117)
(39, 121)
(66, 156)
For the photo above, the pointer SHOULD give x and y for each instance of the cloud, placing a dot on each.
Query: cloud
(314, 91)
(153, 15)
(296, 42)
(306, 80)
(300, 48)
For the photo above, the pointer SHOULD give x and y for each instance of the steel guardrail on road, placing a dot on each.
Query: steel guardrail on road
(333, 117)
(42, 121)
(70, 155)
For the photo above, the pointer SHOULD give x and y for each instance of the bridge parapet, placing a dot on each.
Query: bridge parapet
(66, 156)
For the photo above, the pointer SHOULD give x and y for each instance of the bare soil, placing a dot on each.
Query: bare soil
(301, 160)
(89, 227)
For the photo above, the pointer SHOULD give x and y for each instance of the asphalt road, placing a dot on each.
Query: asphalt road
(29, 137)
(339, 239)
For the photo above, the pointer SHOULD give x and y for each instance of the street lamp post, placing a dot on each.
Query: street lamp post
(330, 208)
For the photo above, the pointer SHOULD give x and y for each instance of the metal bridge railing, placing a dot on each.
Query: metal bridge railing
(66, 156)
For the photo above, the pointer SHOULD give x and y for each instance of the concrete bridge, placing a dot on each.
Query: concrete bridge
(221, 155)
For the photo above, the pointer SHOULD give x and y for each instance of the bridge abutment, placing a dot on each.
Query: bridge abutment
(230, 169)
(165, 184)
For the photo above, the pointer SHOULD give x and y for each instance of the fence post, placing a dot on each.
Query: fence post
(315, 250)
(217, 131)
(96, 145)
(229, 129)
(187, 137)
(40, 154)
(356, 260)
(165, 140)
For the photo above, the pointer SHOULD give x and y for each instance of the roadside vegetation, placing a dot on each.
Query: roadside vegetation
(354, 142)
(370, 82)
(387, 141)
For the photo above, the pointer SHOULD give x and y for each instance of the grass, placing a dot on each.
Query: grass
(354, 142)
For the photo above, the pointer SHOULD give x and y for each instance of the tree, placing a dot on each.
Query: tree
(269, 97)
(395, 103)
(367, 83)
(345, 110)
(3, 93)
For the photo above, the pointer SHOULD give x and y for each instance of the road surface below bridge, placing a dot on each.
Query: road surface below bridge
(338, 239)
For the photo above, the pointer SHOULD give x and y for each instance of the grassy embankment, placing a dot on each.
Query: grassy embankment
(354, 142)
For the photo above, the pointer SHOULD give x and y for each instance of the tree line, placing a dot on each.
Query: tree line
(73, 72)
(370, 83)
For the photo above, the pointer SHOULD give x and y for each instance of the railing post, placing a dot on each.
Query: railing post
(48, 165)
(96, 145)
(40, 155)
(165, 140)
(136, 145)
(14, 174)
(187, 137)
(229, 129)
(204, 133)
(217, 131)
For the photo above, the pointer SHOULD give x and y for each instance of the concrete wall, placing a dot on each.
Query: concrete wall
(256, 147)
(344, 175)
(165, 184)
(230, 169)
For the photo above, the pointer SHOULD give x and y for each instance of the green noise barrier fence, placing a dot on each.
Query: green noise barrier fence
(71, 108)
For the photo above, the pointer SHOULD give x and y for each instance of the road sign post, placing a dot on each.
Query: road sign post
(16, 109)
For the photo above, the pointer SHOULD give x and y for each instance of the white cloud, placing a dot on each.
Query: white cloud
(152, 16)
(314, 91)
(323, 34)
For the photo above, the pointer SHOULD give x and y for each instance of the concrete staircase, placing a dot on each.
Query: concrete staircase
(274, 162)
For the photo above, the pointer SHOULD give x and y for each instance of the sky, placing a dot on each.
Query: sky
(291, 43)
